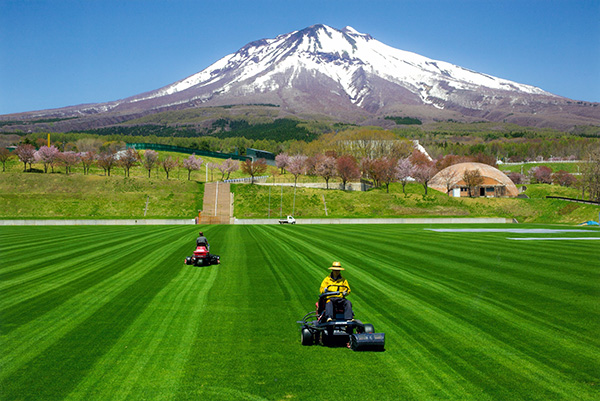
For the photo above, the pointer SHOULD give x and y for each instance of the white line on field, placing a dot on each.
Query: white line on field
(509, 230)
(556, 238)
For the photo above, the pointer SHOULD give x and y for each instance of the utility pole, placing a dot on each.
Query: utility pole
(294, 205)
(147, 199)
(269, 202)
(216, 198)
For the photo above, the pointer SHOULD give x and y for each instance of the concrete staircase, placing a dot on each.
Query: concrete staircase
(217, 205)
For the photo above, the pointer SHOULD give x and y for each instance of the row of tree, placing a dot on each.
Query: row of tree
(516, 147)
(51, 157)
(420, 167)
(381, 170)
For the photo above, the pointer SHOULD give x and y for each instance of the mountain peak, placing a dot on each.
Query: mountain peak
(320, 70)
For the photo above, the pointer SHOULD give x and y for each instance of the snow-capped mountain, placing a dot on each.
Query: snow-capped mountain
(351, 76)
(346, 57)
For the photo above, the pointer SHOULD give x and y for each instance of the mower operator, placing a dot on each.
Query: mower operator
(335, 279)
(202, 241)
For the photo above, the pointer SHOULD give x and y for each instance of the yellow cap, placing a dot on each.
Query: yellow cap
(336, 266)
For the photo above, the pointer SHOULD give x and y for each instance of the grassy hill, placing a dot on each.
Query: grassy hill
(26, 195)
(573, 168)
(251, 201)
(31, 195)
(60, 196)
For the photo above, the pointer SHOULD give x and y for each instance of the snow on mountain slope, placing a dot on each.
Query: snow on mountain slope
(339, 55)
(346, 75)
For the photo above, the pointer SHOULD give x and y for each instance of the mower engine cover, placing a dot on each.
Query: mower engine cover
(201, 252)
(367, 341)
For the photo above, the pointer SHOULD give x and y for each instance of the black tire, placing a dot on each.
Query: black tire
(306, 337)
(369, 328)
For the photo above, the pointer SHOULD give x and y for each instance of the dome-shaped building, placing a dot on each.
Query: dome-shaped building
(495, 182)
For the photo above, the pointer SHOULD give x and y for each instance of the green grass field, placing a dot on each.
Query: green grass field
(573, 168)
(112, 313)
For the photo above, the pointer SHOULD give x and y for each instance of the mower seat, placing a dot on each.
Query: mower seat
(338, 310)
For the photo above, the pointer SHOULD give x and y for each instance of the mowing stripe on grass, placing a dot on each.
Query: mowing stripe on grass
(74, 274)
(467, 316)
(156, 344)
(83, 341)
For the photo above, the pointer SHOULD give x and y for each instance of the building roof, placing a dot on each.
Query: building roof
(454, 175)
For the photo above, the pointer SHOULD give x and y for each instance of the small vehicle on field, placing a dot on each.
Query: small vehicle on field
(288, 220)
(338, 332)
(202, 257)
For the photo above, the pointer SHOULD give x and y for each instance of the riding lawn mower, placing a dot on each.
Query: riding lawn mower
(354, 334)
(202, 257)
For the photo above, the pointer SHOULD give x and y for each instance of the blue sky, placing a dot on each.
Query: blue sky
(66, 52)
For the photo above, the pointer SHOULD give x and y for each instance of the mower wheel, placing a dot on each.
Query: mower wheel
(306, 337)
(369, 328)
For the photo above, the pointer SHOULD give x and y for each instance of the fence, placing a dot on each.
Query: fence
(501, 163)
(262, 178)
(179, 149)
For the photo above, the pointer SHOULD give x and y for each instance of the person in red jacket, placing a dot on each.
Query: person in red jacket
(335, 282)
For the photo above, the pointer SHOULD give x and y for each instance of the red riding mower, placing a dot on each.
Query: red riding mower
(338, 332)
(202, 257)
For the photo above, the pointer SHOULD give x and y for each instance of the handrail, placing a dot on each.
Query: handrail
(589, 202)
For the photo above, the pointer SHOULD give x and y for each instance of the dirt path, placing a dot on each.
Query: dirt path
(216, 207)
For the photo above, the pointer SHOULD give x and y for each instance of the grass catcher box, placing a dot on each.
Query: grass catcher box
(367, 342)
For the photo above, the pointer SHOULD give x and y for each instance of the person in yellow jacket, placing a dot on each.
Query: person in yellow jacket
(335, 282)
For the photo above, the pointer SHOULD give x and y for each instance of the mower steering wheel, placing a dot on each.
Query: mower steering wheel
(329, 294)
(338, 287)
